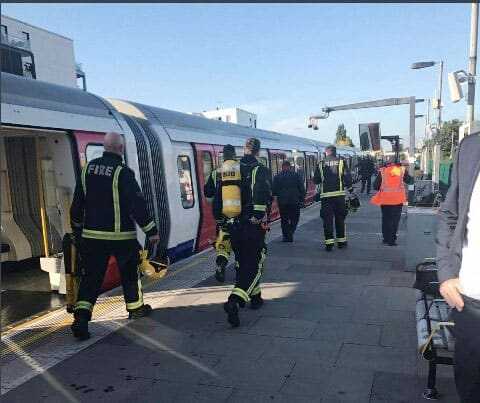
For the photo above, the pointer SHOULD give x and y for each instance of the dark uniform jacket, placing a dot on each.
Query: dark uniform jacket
(366, 168)
(453, 213)
(289, 188)
(333, 176)
(212, 190)
(256, 188)
(108, 201)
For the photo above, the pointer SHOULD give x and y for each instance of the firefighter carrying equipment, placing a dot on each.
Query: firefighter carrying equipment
(392, 188)
(352, 202)
(231, 195)
(152, 268)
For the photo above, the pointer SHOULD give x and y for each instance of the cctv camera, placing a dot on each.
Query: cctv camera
(456, 93)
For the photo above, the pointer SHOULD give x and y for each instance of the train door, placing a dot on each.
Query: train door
(310, 165)
(276, 158)
(204, 163)
(37, 179)
(187, 204)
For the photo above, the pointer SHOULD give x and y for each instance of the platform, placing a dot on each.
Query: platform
(336, 327)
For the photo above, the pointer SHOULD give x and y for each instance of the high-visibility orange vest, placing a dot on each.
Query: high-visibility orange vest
(392, 189)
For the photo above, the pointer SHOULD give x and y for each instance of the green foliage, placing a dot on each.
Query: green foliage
(341, 138)
(444, 137)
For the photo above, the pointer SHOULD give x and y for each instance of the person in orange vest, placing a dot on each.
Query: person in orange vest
(390, 184)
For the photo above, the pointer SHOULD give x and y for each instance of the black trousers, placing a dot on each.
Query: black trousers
(366, 180)
(390, 220)
(95, 256)
(289, 216)
(248, 243)
(333, 213)
(467, 351)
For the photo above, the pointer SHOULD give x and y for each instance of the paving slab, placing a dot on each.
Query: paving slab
(335, 327)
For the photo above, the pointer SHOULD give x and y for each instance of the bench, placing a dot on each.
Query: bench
(435, 338)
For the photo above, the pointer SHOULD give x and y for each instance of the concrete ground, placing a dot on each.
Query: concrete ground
(336, 327)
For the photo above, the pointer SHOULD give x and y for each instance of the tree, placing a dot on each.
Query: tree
(444, 137)
(341, 138)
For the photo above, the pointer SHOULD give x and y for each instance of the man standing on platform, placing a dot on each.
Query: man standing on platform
(290, 192)
(106, 204)
(367, 169)
(390, 197)
(333, 176)
(458, 257)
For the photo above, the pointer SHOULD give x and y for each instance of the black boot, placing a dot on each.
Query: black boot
(141, 312)
(328, 248)
(80, 324)
(256, 301)
(231, 308)
(342, 245)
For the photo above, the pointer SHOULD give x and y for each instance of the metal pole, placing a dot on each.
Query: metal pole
(411, 169)
(472, 65)
(440, 83)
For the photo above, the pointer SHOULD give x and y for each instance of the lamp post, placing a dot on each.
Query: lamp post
(423, 65)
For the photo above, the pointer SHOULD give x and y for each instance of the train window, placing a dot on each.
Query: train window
(185, 180)
(93, 150)
(300, 164)
(274, 166)
(207, 164)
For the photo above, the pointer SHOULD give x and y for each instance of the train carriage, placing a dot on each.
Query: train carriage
(48, 132)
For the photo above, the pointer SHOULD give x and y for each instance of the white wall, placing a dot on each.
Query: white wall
(238, 116)
(54, 55)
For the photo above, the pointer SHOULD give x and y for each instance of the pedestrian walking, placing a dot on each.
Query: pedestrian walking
(289, 190)
(367, 169)
(248, 232)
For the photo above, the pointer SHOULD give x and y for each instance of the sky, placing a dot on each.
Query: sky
(283, 62)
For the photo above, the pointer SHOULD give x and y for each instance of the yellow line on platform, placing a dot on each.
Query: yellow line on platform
(100, 308)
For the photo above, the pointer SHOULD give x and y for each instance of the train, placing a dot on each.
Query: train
(48, 132)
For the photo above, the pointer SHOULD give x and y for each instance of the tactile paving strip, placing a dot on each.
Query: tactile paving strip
(27, 348)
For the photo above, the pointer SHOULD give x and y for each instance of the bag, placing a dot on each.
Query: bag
(231, 193)
(426, 279)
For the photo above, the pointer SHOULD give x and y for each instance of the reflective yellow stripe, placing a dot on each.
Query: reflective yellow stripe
(341, 239)
(322, 177)
(214, 177)
(254, 177)
(116, 202)
(106, 235)
(84, 305)
(139, 302)
(340, 174)
(149, 226)
(329, 241)
(84, 181)
(260, 207)
(259, 272)
(333, 194)
(240, 293)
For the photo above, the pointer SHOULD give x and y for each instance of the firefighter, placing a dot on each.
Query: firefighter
(212, 191)
(106, 204)
(333, 176)
(248, 233)
(390, 197)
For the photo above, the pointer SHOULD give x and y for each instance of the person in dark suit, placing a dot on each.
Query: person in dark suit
(367, 169)
(458, 256)
(289, 189)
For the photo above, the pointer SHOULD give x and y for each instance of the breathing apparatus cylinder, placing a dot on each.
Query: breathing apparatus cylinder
(231, 195)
